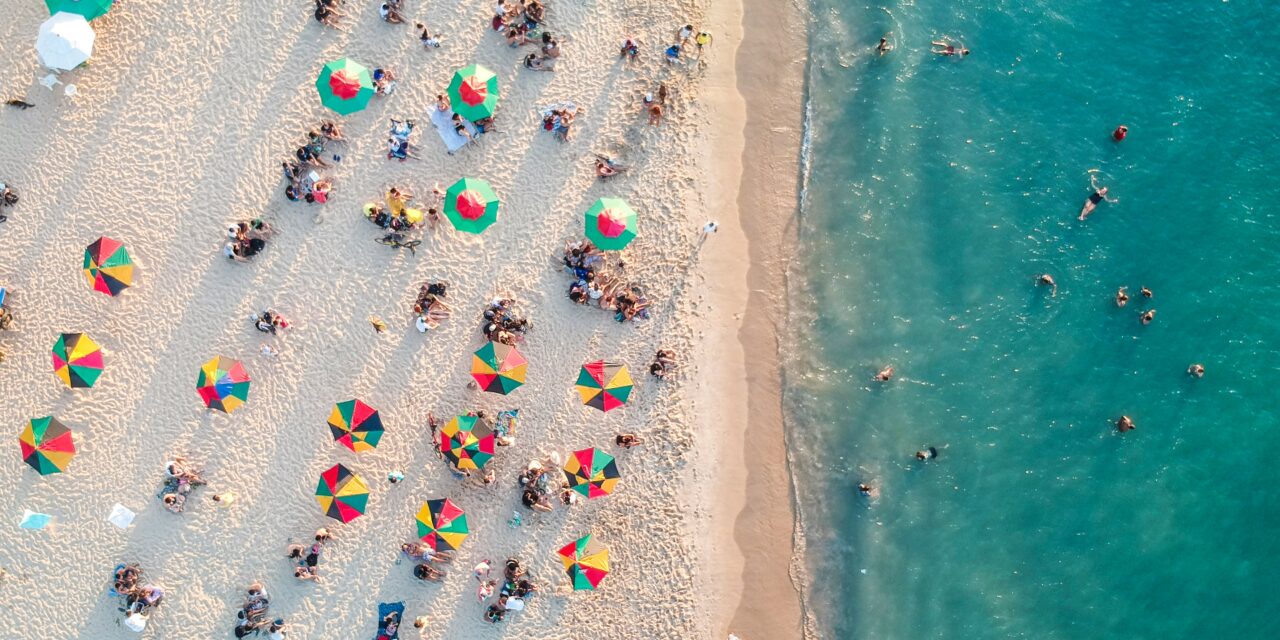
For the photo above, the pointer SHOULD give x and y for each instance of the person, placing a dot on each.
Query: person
(703, 39)
(224, 499)
(1196, 370)
(655, 113)
(885, 374)
(683, 34)
(711, 227)
(884, 46)
(277, 630)
(948, 49)
(461, 127)
(481, 570)
(627, 440)
(424, 571)
(1146, 293)
(607, 167)
(672, 54)
(550, 46)
(868, 491)
(495, 613)
(1097, 196)
(390, 626)
(1122, 298)
(442, 103)
(174, 502)
(1125, 423)
(533, 62)
(428, 42)
(390, 12)
(1147, 316)
(630, 49)
(384, 81)
(1047, 280)
(926, 455)
(326, 15)
(1120, 132)
(306, 574)
(485, 591)
(378, 325)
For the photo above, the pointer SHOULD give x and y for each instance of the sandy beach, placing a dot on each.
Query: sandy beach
(177, 130)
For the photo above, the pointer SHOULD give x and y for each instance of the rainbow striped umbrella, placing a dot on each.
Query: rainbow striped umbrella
(46, 445)
(473, 92)
(498, 368)
(107, 266)
(442, 525)
(471, 205)
(586, 561)
(611, 223)
(342, 494)
(77, 360)
(345, 86)
(591, 472)
(467, 441)
(604, 385)
(355, 425)
(223, 384)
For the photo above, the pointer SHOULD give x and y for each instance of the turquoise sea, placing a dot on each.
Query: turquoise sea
(936, 190)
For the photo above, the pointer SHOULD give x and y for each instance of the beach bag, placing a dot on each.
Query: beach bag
(136, 622)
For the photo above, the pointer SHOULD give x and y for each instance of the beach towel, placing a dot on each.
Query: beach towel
(385, 609)
(443, 122)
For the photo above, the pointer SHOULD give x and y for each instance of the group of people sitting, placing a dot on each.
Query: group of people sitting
(247, 239)
(8, 198)
(501, 324)
(545, 58)
(516, 589)
(558, 119)
(308, 557)
(327, 13)
(302, 173)
(592, 285)
(139, 597)
(427, 558)
(664, 364)
(398, 215)
(252, 617)
(430, 308)
(537, 482)
(180, 477)
(269, 322)
(519, 20)
(398, 145)
(607, 167)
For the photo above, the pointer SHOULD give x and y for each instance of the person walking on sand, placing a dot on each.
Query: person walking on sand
(1098, 195)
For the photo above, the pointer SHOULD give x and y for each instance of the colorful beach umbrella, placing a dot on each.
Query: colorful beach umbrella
(442, 525)
(46, 445)
(107, 266)
(223, 384)
(611, 223)
(467, 441)
(604, 385)
(345, 86)
(498, 368)
(342, 494)
(355, 425)
(473, 92)
(65, 41)
(591, 472)
(586, 561)
(77, 360)
(471, 205)
(90, 9)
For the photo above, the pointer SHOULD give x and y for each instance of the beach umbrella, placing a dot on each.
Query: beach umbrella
(355, 425)
(107, 266)
(90, 9)
(604, 385)
(442, 525)
(65, 41)
(77, 360)
(586, 561)
(46, 445)
(345, 86)
(498, 368)
(473, 92)
(611, 223)
(223, 384)
(591, 472)
(467, 441)
(342, 494)
(471, 205)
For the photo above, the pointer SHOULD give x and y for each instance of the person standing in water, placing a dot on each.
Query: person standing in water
(884, 46)
(1125, 423)
(1122, 298)
(1120, 132)
(885, 374)
(926, 455)
(1047, 280)
(1099, 194)
(1196, 370)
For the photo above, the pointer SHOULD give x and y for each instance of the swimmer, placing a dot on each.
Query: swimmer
(884, 46)
(1196, 370)
(1148, 316)
(948, 49)
(1146, 293)
(868, 491)
(1125, 423)
(1122, 298)
(1098, 195)
(885, 374)
(1047, 279)
(927, 454)
(1120, 132)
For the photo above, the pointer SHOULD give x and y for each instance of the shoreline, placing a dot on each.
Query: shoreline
(758, 137)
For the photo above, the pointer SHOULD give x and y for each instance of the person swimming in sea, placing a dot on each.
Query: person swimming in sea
(1047, 280)
(1196, 370)
(1125, 423)
(1148, 316)
(1146, 293)
(1099, 194)
(885, 374)
(1122, 298)
(884, 46)
(945, 48)
(926, 455)
(867, 491)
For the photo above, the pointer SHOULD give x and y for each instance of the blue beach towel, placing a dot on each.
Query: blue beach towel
(385, 609)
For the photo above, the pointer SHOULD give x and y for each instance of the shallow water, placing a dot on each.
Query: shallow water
(937, 190)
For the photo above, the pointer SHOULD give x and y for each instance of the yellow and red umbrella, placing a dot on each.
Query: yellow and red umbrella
(223, 384)
(586, 561)
(467, 441)
(591, 472)
(442, 524)
(342, 494)
(355, 425)
(46, 445)
(499, 368)
(604, 385)
(107, 266)
(77, 360)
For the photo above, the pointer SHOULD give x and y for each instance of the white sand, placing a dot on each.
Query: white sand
(178, 129)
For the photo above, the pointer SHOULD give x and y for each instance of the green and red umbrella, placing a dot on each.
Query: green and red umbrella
(467, 441)
(586, 561)
(604, 385)
(77, 360)
(223, 384)
(473, 92)
(342, 494)
(90, 9)
(498, 368)
(591, 472)
(46, 445)
(355, 425)
(345, 86)
(442, 525)
(471, 205)
(611, 223)
(107, 266)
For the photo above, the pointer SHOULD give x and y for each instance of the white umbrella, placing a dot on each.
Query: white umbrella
(65, 41)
